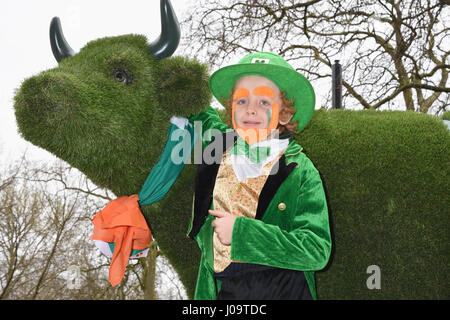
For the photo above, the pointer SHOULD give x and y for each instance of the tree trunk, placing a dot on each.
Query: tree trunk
(150, 272)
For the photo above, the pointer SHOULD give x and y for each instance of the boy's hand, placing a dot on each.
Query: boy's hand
(223, 225)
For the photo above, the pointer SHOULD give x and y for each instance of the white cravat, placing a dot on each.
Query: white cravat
(244, 168)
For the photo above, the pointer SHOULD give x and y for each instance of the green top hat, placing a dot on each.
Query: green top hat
(274, 68)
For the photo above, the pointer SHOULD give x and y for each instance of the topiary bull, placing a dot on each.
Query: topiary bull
(106, 110)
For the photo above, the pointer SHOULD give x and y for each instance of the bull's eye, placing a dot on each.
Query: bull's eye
(122, 76)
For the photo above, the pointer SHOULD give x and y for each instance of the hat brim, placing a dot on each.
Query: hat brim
(294, 84)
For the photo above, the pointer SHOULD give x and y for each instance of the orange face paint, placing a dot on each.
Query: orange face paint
(241, 93)
(267, 92)
(253, 135)
(264, 91)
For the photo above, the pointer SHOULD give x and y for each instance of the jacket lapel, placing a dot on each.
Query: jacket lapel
(206, 177)
(272, 184)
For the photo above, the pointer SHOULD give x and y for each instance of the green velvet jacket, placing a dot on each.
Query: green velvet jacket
(291, 226)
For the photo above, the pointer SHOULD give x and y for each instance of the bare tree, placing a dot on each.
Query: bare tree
(395, 54)
(17, 249)
(42, 233)
(45, 226)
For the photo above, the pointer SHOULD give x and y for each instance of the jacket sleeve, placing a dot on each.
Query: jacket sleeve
(207, 124)
(306, 247)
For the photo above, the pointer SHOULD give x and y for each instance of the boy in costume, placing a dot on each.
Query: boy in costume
(260, 215)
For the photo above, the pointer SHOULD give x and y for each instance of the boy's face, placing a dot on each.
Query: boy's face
(256, 103)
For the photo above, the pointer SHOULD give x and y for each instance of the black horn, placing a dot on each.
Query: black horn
(60, 47)
(169, 39)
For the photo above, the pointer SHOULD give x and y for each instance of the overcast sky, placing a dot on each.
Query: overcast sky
(25, 46)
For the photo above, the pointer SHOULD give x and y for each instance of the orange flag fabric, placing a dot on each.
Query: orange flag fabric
(123, 223)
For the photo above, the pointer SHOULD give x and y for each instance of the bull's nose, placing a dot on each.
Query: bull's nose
(44, 94)
(44, 103)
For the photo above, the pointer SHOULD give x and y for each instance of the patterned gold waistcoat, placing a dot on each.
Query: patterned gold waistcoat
(238, 198)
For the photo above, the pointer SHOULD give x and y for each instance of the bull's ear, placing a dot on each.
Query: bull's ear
(183, 86)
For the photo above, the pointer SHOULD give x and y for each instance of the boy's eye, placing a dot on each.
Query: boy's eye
(241, 101)
(265, 103)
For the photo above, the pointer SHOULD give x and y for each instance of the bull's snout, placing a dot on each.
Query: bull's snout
(44, 101)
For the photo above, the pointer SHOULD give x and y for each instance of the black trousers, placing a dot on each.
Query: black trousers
(264, 283)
